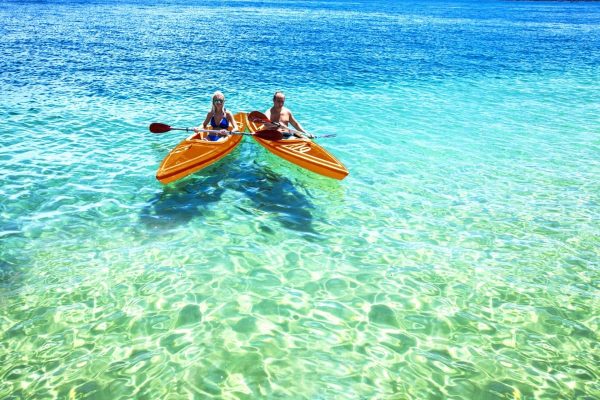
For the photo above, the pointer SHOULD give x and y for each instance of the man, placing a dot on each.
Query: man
(283, 115)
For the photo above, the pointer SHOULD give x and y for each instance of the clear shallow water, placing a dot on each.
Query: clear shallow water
(459, 259)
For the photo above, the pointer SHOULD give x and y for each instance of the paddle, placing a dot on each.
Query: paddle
(268, 134)
(288, 134)
(258, 117)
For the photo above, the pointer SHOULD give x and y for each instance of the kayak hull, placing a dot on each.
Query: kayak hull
(304, 153)
(193, 153)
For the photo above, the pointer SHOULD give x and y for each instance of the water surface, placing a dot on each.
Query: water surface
(459, 259)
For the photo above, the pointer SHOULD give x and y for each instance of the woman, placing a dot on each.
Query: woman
(218, 118)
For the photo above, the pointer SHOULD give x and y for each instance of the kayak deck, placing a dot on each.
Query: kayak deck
(304, 153)
(193, 153)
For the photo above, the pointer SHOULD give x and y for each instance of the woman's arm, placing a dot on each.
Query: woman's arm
(232, 121)
(207, 120)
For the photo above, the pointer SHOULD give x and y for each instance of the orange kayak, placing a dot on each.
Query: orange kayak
(304, 153)
(193, 153)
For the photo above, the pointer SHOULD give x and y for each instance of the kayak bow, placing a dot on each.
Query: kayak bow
(193, 153)
(304, 153)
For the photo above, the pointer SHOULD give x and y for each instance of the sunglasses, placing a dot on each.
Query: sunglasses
(218, 101)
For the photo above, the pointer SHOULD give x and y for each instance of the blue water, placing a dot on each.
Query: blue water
(459, 259)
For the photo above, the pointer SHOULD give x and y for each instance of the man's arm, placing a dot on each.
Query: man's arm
(295, 123)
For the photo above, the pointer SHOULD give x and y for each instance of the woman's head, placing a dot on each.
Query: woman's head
(218, 100)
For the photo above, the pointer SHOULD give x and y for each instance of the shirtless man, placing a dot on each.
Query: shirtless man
(283, 115)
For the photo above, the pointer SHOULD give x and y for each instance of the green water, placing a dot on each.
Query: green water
(459, 259)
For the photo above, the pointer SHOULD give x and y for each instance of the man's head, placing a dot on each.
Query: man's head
(278, 99)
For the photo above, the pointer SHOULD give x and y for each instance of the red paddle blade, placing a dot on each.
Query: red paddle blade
(157, 127)
(269, 134)
(257, 116)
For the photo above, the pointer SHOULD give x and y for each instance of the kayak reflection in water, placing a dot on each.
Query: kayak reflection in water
(283, 115)
(218, 118)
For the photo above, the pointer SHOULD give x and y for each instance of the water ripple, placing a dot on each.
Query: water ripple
(457, 260)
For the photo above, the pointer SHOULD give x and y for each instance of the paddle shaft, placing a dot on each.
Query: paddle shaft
(257, 116)
(279, 125)
(292, 131)
(208, 131)
(269, 134)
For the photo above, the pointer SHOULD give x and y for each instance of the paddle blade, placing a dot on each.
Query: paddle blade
(258, 117)
(269, 134)
(157, 127)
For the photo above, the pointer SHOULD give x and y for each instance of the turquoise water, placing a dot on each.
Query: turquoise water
(459, 259)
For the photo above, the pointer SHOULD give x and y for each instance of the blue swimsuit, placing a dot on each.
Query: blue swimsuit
(224, 124)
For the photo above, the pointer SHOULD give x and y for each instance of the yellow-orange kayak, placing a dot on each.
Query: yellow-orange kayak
(193, 153)
(304, 153)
